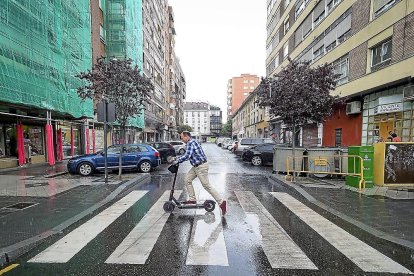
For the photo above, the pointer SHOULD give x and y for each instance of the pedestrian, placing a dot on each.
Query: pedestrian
(195, 154)
(395, 137)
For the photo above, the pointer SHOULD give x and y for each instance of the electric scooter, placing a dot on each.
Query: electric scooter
(170, 205)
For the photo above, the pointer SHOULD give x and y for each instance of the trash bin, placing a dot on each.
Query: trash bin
(322, 159)
(280, 153)
(367, 154)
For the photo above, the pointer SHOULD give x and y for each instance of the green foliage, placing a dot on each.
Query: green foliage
(184, 128)
(299, 94)
(227, 128)
(120, 82)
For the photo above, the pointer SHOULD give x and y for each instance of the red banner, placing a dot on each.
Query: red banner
(87, 140)
(72, 149)
(49, 145)
(20, 145)
(93, 141)
(59, 145)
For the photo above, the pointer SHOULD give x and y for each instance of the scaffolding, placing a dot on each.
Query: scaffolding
(124, 37)
(43, 45)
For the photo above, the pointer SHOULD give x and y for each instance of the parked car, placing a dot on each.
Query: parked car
(179, 146)
(227, 143)
(259, 155)
(249, 142)
(135, 156)
(166, 150)
(219, 141)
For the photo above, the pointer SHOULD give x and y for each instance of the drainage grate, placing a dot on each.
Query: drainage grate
(20, 205)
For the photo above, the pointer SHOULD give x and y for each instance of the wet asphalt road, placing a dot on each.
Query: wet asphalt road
(242, 243)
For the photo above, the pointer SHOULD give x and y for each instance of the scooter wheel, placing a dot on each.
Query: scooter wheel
(168, 206)
(209, 205)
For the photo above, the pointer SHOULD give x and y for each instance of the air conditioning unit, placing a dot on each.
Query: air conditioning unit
(408, 93)
(353, 107)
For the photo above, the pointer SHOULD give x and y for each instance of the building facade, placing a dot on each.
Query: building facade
(197, 115)
(216, 120)
(41, 116)
(250, 120)
(370, 46)
(238, 89)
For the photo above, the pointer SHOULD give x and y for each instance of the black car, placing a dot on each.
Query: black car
(259, 155)
(166, 150)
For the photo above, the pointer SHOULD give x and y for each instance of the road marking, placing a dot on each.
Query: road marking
(8, 268)
(137, 246)
(280, 249)
(207, 245)
(68, 246)
(360, 253)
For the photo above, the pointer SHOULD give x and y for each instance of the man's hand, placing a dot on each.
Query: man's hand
(171, 159)
(175, 162)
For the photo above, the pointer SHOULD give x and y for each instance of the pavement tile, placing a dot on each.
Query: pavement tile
(381, 191)
(391, 193)
(402, 194)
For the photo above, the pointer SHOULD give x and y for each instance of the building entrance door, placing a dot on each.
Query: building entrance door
(384, 128)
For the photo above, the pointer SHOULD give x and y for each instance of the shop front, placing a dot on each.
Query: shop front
(71, 140)
(387, 112)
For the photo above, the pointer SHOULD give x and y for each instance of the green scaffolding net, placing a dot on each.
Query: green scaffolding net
(43, 45)
(124, 36)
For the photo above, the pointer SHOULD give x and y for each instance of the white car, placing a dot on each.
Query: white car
(179, 146)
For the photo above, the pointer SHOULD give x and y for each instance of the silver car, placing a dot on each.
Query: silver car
(249, 142)
(179, 146)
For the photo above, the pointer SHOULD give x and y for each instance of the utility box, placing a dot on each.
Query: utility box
(354, 166)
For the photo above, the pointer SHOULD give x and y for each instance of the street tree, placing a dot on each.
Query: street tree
(182, 128)
(121, 82)
(299, 95)
(227, 128)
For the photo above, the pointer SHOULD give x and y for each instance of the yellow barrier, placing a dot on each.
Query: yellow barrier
(321, 166)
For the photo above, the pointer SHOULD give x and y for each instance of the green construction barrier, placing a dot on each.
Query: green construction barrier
(367, 154)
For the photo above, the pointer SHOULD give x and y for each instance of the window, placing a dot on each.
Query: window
(287, 2)
(381, 6)
(285, 50)
(338, 137)
(300, 6)
(252, 87)
(245, 81)
(331, 4)
(245, 94)
(245, 87)
(286, 25)
(381, 54)
(319, 52)
(341, 67)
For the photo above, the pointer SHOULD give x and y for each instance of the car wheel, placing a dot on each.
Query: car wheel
(145, 166)
(181, 151)
(256, 160)
(85, 169)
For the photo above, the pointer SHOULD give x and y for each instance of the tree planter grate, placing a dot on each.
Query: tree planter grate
(20, 205)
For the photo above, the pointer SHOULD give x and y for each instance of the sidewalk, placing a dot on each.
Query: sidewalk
(38, 202)
(379, 211)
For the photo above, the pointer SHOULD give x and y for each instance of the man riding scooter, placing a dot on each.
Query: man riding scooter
(195, 154)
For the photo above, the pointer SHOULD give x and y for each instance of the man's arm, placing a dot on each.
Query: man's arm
(188, 153)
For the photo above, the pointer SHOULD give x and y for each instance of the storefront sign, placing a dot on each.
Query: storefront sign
(388, 108)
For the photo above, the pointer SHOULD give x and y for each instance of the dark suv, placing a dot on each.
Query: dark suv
(166, 150)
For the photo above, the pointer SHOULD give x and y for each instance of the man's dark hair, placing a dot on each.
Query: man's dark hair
(393, 135)
(187, 133)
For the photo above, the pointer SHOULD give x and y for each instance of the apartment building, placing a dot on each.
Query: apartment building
(250, 120)
(38, 99)
(216, 120)
(197, 115)
(370, 45)
(238, 89)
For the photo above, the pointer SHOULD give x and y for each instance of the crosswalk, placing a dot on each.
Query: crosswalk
(207, 244)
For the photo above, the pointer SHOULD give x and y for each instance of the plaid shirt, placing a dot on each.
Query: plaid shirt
(194, 153)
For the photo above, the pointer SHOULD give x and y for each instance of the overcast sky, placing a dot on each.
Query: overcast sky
(217, 40)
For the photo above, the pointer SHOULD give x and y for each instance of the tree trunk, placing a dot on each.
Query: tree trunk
(294, 152)
(122, 142)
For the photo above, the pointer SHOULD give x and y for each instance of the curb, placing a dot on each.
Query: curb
(377, 233)
(12, 252)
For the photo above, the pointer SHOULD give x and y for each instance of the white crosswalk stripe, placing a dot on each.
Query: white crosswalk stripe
(280, 249)
(67, 247)
(137, 246)
(360, 253)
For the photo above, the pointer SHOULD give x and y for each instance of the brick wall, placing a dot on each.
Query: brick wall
(403, 39)
(98, 48)
(358, 61)
(360, 15)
